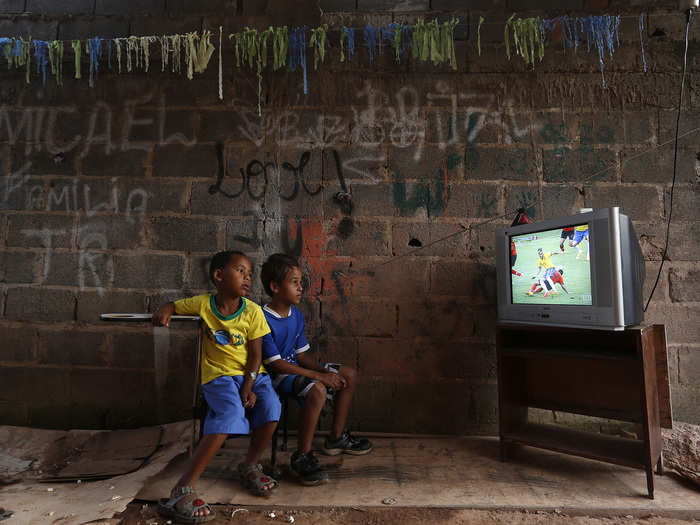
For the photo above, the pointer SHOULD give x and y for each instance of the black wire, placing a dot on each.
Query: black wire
(689, 15)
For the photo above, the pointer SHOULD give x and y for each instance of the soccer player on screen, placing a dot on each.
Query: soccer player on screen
(544, 261)
(513, 258)
(548, 284)
(581, 233)
(566, 233)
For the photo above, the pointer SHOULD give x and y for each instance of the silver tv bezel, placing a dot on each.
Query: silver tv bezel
(606, 279)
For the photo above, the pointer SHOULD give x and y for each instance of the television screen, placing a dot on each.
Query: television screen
(551, 267)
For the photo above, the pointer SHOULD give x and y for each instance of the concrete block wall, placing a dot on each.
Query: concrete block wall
(112, 199)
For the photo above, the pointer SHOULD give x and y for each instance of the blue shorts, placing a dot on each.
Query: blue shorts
(580, 235)
(226, 413)
(298, 387)
(548, 273)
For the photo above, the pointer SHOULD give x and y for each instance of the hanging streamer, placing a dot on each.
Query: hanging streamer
(95, 46)
(528, 37)
(297, 52)
(145, 42)
(77, 47)
(478, 34)
(22, 56)
(280, 47)
(251, 46)
(347, 33)
(318, 43)
(41, 54)
(118, 44)
(370, 34)
(109, 54)
(221, 83)
(641, 40)
(393, 33)
(56, 60)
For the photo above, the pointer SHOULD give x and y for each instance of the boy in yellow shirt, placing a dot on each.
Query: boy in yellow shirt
(234, 383)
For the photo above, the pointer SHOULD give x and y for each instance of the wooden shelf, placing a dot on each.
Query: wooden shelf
(601, 447)
(567, 351)
(607, 413)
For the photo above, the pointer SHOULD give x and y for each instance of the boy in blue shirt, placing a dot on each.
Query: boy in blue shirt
(296, 374)
(234, 382)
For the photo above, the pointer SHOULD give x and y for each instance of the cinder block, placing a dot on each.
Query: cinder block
(149, 196)
(73, 347)
(178, 161)
(429, 239)
(84, 28)
(657, 165)
(359, 317)
(360, 162)
(491, 163)
(473, 200)
(640, 127)
(685, 401)
(44, 7)
(367, 238)
(198, 273)
(157, 25)
(476, 282)
(684, 243)
(547, 5)
(402, 278)
(222, 7)
(641, 203)
(25, 28)
(523, 196)
(92, 304)
(561, 199)
(667, 125)
(680, 320)
(244, 235)
(133, 350)
(328, 6)
(601, 128)
(438, 317)
(189, 235)
(19, 343)
(19, 267)
(115, 164)
(43, 162)
(73, 269)
(684, 284)
(119, 7)
(688, 365)
(12, 6)
(37, 390)
(148, 271)
(685, 201)
(40, 304)
(584, 164)
(456, 5)
(40, 231)
(102, 232)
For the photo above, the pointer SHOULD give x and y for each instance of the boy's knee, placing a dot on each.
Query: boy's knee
(349, 373)
(317, 394)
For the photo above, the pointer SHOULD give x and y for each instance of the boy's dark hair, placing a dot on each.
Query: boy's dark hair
(220, 260)
(275, 269)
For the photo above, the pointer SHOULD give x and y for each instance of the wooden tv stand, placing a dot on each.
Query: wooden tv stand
(592, 372)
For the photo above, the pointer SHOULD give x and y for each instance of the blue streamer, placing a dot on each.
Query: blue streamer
(41, 53)
(95, 46)
(109, 53)
(371, 41)
(641, 39)
(297, 52)
(350, 33)
(7, 52)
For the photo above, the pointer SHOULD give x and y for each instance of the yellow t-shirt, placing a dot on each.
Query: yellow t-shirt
(581, 228)
(545, 261)
(225, 341)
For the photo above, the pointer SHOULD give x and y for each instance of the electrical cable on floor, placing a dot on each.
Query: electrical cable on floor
(689, 15)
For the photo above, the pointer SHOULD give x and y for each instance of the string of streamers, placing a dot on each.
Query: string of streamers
(95, 47)
(297, 52)
(347, 33)
(478, 34)
(528, 37)
(601, 32)
(251, 46)
(77, 47)
(641, 40)
(370, 34)
(435, 42)
(397, 35)
(56, 60)
(221, 84)
(41, 54)
(318, 43)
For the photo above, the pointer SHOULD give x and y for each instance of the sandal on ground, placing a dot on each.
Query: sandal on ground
(255, 480)
(166, 507)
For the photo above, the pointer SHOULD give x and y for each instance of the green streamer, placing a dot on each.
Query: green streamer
(77, 45)
(26, 58)
(280, 47)
(251, 46)
(56, 60)
(318, 42)
(478, 34)
(528, 38)
(343, 38)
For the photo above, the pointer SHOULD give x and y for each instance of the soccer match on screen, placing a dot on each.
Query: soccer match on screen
(551, 267)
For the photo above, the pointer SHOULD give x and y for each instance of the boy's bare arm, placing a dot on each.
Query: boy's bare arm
(251, 371)
(309, 362)
(163, 315)
(280, 366)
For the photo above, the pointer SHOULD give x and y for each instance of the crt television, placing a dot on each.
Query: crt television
(584, 270)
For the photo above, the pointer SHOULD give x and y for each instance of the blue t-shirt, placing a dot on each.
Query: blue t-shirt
(286, 338)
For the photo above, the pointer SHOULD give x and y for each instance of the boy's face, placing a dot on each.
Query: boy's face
(235, 277)
(290, 289)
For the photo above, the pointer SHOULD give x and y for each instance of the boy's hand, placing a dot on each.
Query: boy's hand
(333, 381)
(162, 317)
(248, 397)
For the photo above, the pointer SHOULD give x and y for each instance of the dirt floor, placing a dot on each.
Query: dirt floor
(145, 514)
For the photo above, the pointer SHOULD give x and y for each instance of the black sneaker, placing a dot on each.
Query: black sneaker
(307, 468)
(346, 444)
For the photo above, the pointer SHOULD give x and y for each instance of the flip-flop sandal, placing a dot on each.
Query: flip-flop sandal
(256, 484)
(166, 507)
